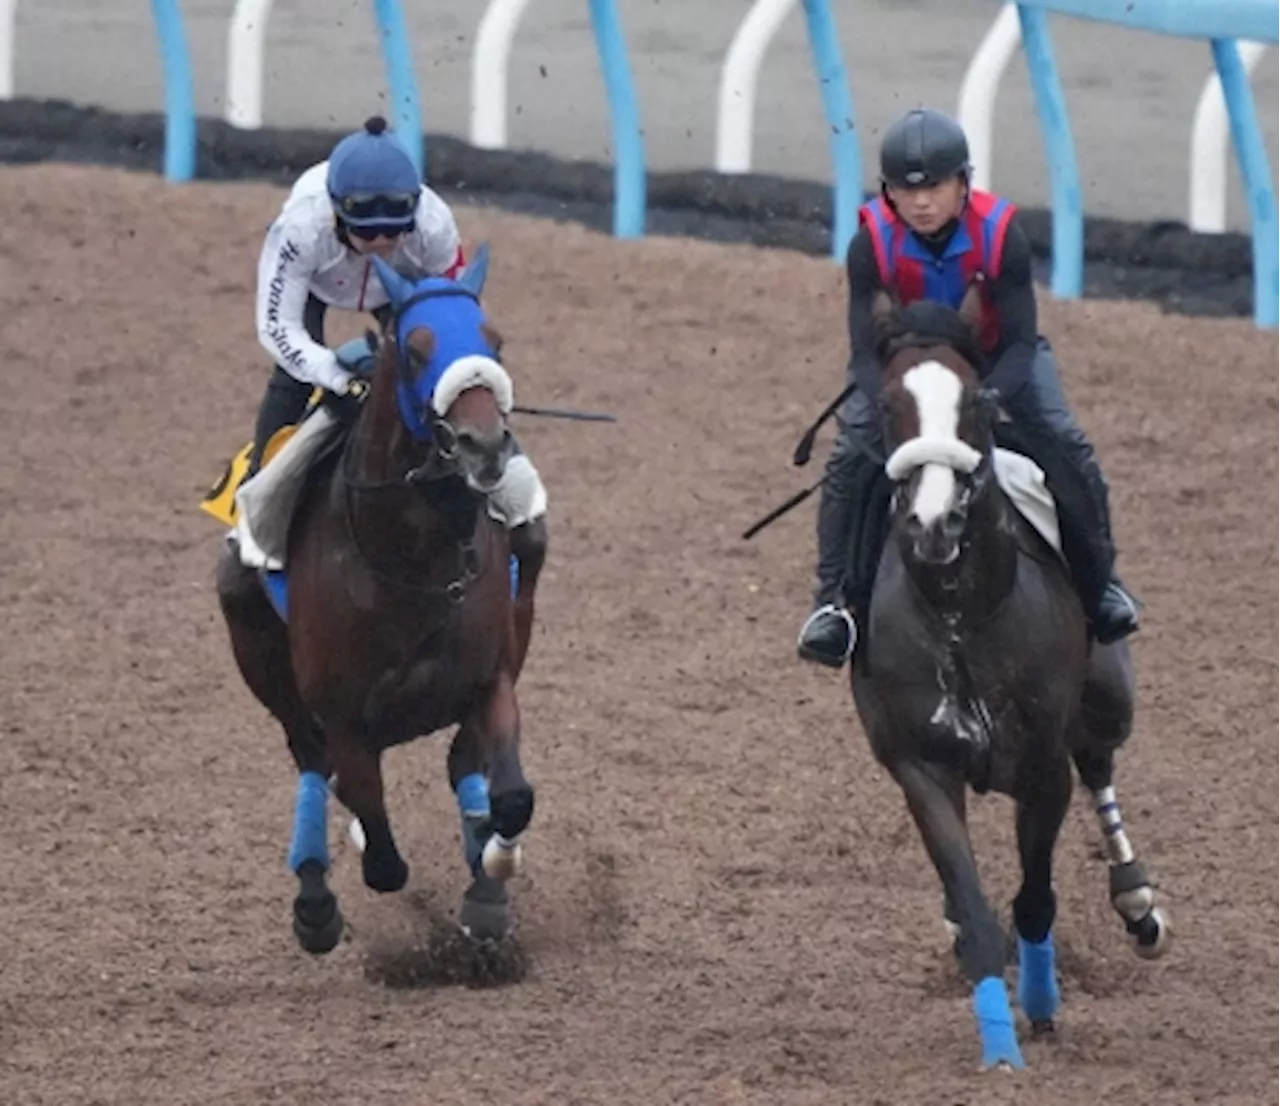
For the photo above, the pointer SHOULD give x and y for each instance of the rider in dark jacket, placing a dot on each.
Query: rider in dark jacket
(926, 237)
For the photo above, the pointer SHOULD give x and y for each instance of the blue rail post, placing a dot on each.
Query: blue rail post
(837, 105)
(1251, 153)
(402, 87)
(1221, 22)
(179, 94)
(1067, 280)
(628, 139)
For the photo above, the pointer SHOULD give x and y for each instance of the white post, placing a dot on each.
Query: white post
(490, 60)
(1210, 132)
(246, 39)
(736, 111)
(978, 90)
(8, 36)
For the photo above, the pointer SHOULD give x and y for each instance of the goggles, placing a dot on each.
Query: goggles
(358, 210)
(377, 230)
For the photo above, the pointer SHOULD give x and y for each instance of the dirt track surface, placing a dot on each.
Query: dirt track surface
(726, 902)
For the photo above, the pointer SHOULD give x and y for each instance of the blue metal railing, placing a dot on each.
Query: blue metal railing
(628, 138)
(837, 106)
(179, 92)
(405, 112)
(1219, 21)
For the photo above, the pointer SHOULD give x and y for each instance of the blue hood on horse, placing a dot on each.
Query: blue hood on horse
(462, 355)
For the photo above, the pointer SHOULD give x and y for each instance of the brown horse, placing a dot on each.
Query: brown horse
(400, 616)
(975, 668)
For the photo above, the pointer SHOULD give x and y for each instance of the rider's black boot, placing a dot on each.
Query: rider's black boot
(829, 633)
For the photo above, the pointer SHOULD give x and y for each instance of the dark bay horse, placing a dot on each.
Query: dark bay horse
(401, 619)
(975, 669)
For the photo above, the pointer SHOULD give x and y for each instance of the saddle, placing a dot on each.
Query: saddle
(220, 501)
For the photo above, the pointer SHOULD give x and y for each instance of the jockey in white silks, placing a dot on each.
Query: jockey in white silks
(366, 201)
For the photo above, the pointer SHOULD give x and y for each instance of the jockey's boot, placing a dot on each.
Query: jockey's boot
(830, 633)
(828, 636)
(1117, 613)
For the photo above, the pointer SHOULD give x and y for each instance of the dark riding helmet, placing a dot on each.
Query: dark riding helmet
(924, 147)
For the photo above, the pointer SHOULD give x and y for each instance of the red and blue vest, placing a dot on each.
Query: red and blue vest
(911, 272)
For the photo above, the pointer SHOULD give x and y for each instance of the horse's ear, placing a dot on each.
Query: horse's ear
(374, 341)
(494, 339)
(472, 278)
(882, 309)
(987, 403)
(399, 288)
(419, 346)
(970, 311)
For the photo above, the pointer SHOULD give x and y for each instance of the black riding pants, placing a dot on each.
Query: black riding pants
(855, 495)
(286, 396)
(1045, 429)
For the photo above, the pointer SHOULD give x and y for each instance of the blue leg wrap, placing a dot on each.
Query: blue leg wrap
(995, 1024)
(473, 805)
(515, 575)
(1038, 993)
(310, 822)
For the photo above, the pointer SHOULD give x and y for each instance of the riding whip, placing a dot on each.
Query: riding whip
(565, 413)
(805, 446)
(778, 512)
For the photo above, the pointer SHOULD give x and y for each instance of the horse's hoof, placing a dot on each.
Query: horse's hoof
(317, 924)
(485, 913)
(384, 874)
(1153, 935)
(1042, 1028)
(501, 859)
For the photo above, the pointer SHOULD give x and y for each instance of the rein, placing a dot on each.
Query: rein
(439, 466)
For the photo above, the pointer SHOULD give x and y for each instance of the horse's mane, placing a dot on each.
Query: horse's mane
(928, 323)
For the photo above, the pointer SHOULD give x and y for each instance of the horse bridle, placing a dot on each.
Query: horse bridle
(427, 478)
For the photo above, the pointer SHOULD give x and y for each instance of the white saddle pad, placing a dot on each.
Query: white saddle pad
(266, 501)
(1023, 482)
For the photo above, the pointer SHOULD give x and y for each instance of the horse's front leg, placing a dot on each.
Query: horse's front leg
(529, 547)
(494, 808)
(359, 789)
(1040, 814)
(484, 914)
(510, 796)
(935, 797)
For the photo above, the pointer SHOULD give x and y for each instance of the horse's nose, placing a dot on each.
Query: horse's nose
(954, 523)
(485, 457)
(937, 543)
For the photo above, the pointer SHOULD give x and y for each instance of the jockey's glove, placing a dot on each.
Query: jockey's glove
(346, 404)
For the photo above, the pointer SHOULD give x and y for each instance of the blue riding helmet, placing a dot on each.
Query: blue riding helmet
(372, 181)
